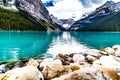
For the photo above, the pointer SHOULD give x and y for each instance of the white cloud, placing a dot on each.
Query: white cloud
(67, 8)
(116, 0)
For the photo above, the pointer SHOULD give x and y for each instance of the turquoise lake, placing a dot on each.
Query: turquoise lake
(21, 45)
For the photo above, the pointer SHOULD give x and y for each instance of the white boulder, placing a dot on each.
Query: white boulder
(24, 73)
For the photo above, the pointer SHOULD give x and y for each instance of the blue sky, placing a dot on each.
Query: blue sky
(69, 8)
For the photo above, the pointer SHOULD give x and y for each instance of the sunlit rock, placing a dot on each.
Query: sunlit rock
(91, 73)
(64, 58)
(117, 50)
(78, 58)
(108, 62)
(33, 62)
(74, 67)
(109, 50)
(24, 73)
(54, 70)
(93, 52)
(91, 58)
(48, 61)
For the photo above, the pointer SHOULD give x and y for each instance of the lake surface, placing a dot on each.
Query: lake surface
(21, 45)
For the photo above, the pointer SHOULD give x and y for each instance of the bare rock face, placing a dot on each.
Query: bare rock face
(24, 73)
(35, 8)
(91, 73)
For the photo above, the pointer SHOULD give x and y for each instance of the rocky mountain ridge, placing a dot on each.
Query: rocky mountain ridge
(64, 24)
(99, 15)
(34, 8)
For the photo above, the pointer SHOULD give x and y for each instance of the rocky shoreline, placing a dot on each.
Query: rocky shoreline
(92, 64)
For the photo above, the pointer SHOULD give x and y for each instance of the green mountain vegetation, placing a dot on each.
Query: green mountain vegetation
(21, 20)
(107, 23)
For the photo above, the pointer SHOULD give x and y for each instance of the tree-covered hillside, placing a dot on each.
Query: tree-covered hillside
(13, 20)
(108, 23)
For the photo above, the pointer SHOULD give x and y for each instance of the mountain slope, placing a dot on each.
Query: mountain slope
(62, 24)
(31, 15)
(12, 20)
(104, 18)
(108, 23)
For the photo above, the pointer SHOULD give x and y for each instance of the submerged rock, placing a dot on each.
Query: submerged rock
(24, 73)
(4, 68)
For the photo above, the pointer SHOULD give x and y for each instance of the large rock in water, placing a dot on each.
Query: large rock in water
(4, 68)
(24, 73)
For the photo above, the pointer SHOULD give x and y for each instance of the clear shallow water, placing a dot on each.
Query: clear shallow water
(21, 45)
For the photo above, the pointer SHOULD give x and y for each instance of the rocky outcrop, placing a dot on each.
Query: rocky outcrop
(91, 73)
(91, 64)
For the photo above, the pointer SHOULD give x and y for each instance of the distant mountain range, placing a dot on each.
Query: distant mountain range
(104, 18)
(32, 15)
(31, 11)
(62, 24)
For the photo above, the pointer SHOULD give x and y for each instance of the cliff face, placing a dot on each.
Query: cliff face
(33, 10)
